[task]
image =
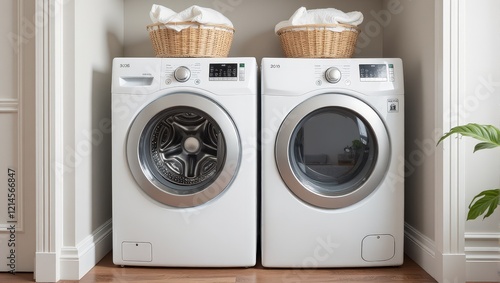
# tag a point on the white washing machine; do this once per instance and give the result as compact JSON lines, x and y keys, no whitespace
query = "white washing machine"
{"x":184,"y":161}
{"x":332,"y":162}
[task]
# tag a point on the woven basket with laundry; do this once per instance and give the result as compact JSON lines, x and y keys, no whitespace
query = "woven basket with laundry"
{"x":194,"y":32}
{"x":319,"y":33}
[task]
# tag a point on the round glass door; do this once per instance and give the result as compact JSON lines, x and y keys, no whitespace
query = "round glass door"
{"x":332,"y":150}
{"x":183,"y":150}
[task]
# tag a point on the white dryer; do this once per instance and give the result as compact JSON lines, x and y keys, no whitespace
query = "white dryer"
{"x":184,"y":161}
{"x":332,"y":162}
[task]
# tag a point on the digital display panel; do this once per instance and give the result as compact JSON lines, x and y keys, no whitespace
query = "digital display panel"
{"x":223,"y":72}
{"x":373,"y":72}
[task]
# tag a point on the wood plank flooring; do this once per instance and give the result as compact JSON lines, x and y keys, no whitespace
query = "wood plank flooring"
{"x":106,"y":271}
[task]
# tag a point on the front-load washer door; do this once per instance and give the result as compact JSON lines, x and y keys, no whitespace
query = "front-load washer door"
{"x":332,"y":150}
{"x":183,"y":149}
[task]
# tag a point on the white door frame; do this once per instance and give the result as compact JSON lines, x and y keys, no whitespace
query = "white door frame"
{"x":449,"y":202}
{"x":48,"y":138}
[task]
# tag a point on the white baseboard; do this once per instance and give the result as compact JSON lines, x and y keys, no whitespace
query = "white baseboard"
{"x":421,"y":249}
{"x":77,"y":261}
{"x":46,"y":269}
{"x":482,"y":252}
{"x":482,"y":257}
{"x":485,"y":271}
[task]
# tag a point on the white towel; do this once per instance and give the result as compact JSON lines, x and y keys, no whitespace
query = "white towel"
{"x":321,"y":16}
{"x":160,"y":14}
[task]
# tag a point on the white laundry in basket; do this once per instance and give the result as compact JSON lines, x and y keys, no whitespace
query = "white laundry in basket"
{"x":161,"y":14}
{"x":321,"y":16}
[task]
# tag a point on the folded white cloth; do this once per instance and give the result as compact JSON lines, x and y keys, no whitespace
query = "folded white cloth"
{"x":161,"y":14}
{"x":321,"y":16}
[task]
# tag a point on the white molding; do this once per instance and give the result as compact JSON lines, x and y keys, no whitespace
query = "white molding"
{"x":483,"y":271}
{"x":9,"y":106}
{"x":482,"y":251}
{"x":48,"y":107}
{"x":77,"y":261}
{"x":20,"y":122}
{"x":449,"y":205}
{"x":455,"y":191}
{"x":482,"y":247}
{"x":420,"y":249}
{"x":423,"y":242}
{"x":46,"y":263}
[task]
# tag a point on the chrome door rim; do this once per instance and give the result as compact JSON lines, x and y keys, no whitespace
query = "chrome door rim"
{"x":166,"y":194}
{"x":294,"y":182}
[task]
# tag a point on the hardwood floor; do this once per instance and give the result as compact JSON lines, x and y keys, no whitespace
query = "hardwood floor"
{"x":106,"y":271}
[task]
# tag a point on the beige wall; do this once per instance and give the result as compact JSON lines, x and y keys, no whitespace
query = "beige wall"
{"x":390,"y":29}
{"x":412,"y":39}
{"x":91,"y":37}
{"x":254,"y":22}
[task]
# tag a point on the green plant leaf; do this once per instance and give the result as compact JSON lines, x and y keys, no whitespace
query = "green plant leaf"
{"x":484,"y":145}
{"x":486,"y":201}
{"x":488,"y":135}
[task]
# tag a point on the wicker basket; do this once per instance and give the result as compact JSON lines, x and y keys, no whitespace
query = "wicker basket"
{"x":318,"y":41}
{"x":198,"y":40}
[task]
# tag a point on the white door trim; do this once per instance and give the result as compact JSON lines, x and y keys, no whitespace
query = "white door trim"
{"x":449,"y":201}
{"x":48,"y":17}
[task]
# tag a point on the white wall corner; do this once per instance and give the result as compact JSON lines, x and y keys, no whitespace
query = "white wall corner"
{"x":78,"y":260}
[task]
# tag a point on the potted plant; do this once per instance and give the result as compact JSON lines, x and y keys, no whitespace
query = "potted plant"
{"x":489,"y":136}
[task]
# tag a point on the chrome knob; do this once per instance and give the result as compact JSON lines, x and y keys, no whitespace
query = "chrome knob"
{"x":333,"y":75}
{"x":182,"y":74}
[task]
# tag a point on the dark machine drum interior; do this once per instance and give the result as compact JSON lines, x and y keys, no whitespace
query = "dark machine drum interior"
{"x":332,"y":151}
{"x":183,"y":148}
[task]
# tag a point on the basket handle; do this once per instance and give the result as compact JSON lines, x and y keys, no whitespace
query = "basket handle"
{"x":158,"y":25}
{"x":284,"y":29}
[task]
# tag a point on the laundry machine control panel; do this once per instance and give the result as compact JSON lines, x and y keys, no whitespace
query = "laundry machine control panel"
{"x":224,"y":76}
{"x":200,"y":72}
{"x":364,"y":75}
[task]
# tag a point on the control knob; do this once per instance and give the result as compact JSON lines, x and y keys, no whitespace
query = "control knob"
{"x":182,"y":74}
{"x":333,"y":75}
